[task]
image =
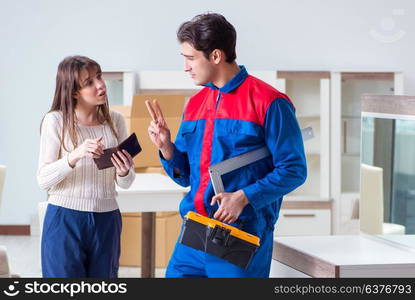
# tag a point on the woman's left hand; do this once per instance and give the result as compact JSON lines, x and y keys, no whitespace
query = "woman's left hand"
{"x":122,"y":162}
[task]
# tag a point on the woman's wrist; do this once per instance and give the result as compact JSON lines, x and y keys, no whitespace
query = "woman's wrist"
{"x":123,"y":175}
{"x":72,"y":159}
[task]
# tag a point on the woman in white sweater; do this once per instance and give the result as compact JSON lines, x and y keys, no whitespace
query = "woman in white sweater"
{"x":82,"y":225}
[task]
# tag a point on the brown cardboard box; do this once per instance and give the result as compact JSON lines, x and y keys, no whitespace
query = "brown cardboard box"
{"x":126,"y":112}
{"x":168,"y":225}
{"x":172,"y":107}
{"x":158,"y":170}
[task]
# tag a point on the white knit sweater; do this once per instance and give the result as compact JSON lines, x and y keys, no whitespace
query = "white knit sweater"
{"x":83,"y":187}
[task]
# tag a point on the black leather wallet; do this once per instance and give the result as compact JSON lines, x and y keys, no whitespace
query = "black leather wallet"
{"x":130,"y":144}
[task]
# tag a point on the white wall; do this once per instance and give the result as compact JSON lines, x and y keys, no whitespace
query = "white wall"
{"x":140,"y":35}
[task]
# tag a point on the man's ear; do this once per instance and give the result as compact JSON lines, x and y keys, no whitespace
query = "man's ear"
{"x":217,"y":56}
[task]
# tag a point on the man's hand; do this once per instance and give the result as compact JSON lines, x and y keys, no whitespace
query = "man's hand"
{"x":231,"y":205}
{"x":158,"y":130}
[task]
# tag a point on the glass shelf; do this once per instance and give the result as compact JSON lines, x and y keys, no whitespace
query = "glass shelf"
{"x":311,"y":100}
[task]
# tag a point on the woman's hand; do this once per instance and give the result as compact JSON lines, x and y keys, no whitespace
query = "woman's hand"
{"x":89,"y":148}
{"x":122,"y":162}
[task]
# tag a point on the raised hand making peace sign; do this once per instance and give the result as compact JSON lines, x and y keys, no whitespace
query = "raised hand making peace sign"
{"x":158,"y":130}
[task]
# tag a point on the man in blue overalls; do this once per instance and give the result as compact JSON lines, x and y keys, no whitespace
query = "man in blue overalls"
{"x":233,"y":114}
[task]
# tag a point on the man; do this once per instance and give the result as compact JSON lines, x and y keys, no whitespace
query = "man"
{"x":234,"y":113}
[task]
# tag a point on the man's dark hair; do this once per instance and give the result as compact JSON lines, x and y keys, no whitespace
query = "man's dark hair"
{"x":207,"y":32}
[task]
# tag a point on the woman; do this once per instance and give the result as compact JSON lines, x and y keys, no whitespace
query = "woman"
{"x":82,"y":225}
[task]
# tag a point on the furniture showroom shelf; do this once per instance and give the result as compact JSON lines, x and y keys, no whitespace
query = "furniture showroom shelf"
{"x":307,"y":210}
{"x":308,"y":116}
{"x":346,"y":90}
{"x":307,"y":198}
{"x":312,"y":153}
{"x":310,"y":93}
{"x":121,"y":86}
{"x":304,"y":215}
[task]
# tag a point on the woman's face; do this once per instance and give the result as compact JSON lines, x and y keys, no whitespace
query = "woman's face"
{"x":93,"y":91}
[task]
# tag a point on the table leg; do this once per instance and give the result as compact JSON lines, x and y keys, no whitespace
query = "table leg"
{"x":148,"y":244}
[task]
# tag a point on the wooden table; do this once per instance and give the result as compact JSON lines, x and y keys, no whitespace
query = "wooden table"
{"x":149,"y":193}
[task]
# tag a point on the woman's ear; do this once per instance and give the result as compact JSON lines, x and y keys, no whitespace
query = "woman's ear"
{"x":75,"y":95}
{"x":217,"y":56}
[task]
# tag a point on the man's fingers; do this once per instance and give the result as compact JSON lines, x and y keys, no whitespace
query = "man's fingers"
{"x":158,"y":111}
{"x":223,"y":216}
{"x":219,"y":214}
{"x":215,"y":199}
{"x":151,"y":110}
{"x":155,"y":126}
{"x":153,"y":130}
{"x":228,"y":219}
{"x":216,"y":215}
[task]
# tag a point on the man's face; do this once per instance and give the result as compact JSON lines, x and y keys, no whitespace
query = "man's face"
{"x":199,"y":67}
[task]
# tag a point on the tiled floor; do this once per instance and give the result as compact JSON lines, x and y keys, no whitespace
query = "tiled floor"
{"x":24,"y":257}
